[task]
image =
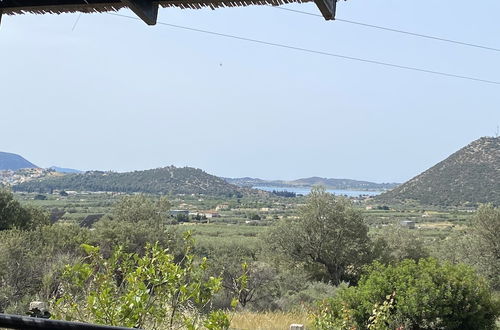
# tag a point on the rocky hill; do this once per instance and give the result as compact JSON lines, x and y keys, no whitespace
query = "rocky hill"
{"x":164,"y":180}
{"x":13,"y":162}
{"x":467,"y":177}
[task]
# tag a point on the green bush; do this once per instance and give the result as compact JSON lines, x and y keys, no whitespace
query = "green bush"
{"x":14,"y":215}
{"x":151,"y":291}
{"x":133,"y":236}
{"x":412,"y":295}
{"x":30,"y":263}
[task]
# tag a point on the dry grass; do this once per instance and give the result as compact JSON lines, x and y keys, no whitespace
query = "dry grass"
{"x":268,"y":320}
{"x":436,"y":225}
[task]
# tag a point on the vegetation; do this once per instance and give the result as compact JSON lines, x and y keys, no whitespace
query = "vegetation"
{"x":412,"y":295}
{"x":284,"y":193}
{"x":329,"y":237}
{"x":13,"y":215}
{"x":486,"y":233}
{"x":150,"y":291}
{"x":395,"y":244}
{"x":167,"y":180}
{"x":303,"y":250}
{"x":478,"y":246}
{"x":31,"y":262}
{"x":466,"y":178}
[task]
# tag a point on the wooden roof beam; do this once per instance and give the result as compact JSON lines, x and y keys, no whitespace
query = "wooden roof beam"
{"x":327,"y":8}
{"x":147,"y":10}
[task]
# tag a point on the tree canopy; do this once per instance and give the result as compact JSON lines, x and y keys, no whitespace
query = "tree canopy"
{"x":329,"y":235}
{"x":14,"y":215}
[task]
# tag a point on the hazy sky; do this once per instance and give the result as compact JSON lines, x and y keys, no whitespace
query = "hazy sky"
{"x":115,"y":94}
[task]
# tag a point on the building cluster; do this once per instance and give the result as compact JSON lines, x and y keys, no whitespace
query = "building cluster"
{"x":205,"y":214}
{"x":10,"y":178}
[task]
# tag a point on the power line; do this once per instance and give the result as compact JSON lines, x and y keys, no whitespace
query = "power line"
{"x":76,"y":22}
{"x":78,"y":18}
{"x":462,"y":43}
{"x":312,"y":51}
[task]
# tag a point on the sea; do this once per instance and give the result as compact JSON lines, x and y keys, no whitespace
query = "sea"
{"x":306,"y":191}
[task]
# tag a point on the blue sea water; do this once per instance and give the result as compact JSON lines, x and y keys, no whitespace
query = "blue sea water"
{"x":305,"y":191}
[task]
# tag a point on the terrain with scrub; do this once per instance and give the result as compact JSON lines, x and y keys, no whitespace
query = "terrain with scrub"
{"x":261,"y":286}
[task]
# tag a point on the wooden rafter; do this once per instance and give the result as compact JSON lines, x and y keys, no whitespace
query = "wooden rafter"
{"x":147,"y":10}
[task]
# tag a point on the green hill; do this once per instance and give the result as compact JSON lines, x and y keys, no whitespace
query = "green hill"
{"x":164,"y":180}
{"x":468,"y":177}
{"x":13,"y":162}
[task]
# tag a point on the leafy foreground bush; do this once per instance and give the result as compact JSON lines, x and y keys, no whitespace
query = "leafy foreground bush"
{"x":152,"y":291}
{"x":411,"y":295}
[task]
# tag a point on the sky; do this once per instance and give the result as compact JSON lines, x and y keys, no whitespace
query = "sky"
{"x":115,"y":94}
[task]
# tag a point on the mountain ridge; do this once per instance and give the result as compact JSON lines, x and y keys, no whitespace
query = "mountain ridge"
{"x":14,"y":162}
{"x":469,"y":176}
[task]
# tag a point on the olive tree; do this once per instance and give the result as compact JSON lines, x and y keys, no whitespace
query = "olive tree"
{"x":486,"y":226}
{"x":329,"y":238}
{"x":134,"y":221}
{"x":478,"y":246}
{"x":14,"y":215}
{"x":486,"y":242}
{"x":141,"y":208}
{"x":393,"y":244}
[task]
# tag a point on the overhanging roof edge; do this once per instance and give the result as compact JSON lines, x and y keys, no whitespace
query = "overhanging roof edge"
{"x":147,"y":9}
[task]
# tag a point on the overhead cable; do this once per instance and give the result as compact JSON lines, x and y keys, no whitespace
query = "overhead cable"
{"x":420,"y":35}
{"x":312,"y":51}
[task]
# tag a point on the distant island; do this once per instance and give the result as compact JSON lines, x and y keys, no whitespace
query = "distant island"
{"x":335,"y":184}
{"x":65,"y":170}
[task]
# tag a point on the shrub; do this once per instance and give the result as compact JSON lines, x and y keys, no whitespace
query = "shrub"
{"x":412,"y":295}
{"x":133,"y":236}
{"x":152,"y":291}
{"x":14,"y":215}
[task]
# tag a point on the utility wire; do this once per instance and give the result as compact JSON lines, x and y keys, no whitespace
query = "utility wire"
{"x":312,"y":51}
{"x":78,"y":18}
{"x":396,"y":30}
{"x":76,"y":22}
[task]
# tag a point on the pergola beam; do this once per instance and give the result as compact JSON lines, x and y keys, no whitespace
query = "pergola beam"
{"x":147,"y":10}
{"x":327,"y":8}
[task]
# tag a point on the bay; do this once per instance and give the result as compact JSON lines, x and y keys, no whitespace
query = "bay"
{"x":306,"y":190}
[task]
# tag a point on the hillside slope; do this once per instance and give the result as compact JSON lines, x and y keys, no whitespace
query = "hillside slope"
{"x":467,"y":177}
{"x":164,"y":180}
{"x":13,"y":162}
